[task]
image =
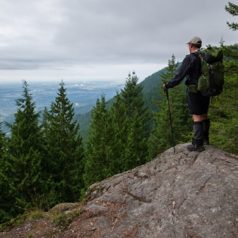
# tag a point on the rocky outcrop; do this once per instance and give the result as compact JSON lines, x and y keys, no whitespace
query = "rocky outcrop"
{"x":178,"y":195}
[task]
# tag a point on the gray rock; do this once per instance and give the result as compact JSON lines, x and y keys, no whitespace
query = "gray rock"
{"x":176,"y":195}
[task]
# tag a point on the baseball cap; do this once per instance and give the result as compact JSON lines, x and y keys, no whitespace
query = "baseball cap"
{"x":195,"y":41}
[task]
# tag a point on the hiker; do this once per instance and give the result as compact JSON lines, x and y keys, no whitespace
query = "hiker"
{"x":197,"y":103}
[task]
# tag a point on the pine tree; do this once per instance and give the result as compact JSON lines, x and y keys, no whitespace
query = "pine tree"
{"x":63,"y":163}
{"x":233,"y":10}
{"x":21,"y":171}
{"x":133,"y":124}
{"x":118,"y":122}
{"x":98,"y":155}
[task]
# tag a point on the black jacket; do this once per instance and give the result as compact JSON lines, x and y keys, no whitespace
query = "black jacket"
{"x":190,"y":68}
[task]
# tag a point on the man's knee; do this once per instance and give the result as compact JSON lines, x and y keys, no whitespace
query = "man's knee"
{"x":198,"y":118}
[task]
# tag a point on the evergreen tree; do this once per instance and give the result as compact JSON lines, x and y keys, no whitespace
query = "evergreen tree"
{"x":132,"y":122}
{"x":97,"y":162}
{"x":21,"y":168}
{"x":64,"y":157}
{"x":118,"y":121}
{"x":233,"y":10}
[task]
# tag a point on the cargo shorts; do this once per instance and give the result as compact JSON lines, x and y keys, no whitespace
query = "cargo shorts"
{"x":197,"y":103}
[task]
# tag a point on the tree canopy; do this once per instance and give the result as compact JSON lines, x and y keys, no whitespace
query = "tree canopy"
{"x":232,"y":8}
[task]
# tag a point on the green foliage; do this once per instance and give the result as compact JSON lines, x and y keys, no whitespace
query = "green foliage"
{"x":64,"y":151}
{"x":118,"y":136}
{"x":41,"y":165}
{"x":151,"y":94}
{"x":97,"y":162}
{"x":233,"y":10}
{"x":20,"y":173}
{"x":131,"y":125}
{"x":118,"y":121}
{"x":29,"y":215}
{"x":25,"y":131}
{"x":63,"y":220}
{"x":137,"y":124}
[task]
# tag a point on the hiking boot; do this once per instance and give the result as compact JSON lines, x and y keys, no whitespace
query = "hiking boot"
{"x":195,"y":148}
{"x":206,"y":125}
{"x":197,"y":142}
{"x":206,"y":142}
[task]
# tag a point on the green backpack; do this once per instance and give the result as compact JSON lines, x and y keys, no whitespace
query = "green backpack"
{"x":211,"y":81}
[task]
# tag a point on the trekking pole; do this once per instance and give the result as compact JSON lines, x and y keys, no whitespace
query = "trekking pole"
{"x":170,"y":118}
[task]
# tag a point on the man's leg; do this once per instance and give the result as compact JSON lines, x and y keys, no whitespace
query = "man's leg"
{"x":198,"y":133}
{"x":206,"y":126}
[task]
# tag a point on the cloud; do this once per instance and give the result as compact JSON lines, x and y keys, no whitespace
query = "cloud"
{"x":53,"y":33}
{"x":137,"y":30}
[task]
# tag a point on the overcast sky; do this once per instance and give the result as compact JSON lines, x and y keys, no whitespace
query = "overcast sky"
{"x":103,"y":39}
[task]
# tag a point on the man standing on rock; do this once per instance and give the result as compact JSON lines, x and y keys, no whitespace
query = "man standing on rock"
{"x":198,"y":104}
